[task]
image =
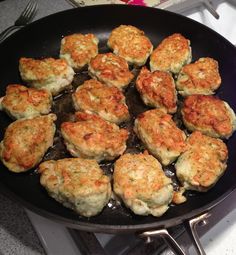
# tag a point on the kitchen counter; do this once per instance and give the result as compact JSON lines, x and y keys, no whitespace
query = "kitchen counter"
{"x":17,"y":236}
{"x":11,"y":9}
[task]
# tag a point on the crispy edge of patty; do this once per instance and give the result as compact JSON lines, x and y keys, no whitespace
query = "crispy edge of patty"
{"x":52,"y":74}
{"x":78,"y":184}
{"x":90,"y":136}
{"x":165,"y":148}
{"x":203,"y":163}
{"x":26,"y":160}
{"x":95,"y":97}
{"x":139,"y":46}
{"x":200,"y":77}
{"x":221,"y":126}
{"x":171,"y":54}
{"x":157,"y":89}
{"x":132,"y":174}
{"x":78,"y":49}
{"x":111,"y":70}
{"x":22,"y":102}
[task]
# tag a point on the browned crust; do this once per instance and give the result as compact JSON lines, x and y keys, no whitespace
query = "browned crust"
{"x":206,"y":158}
{"x":134,"y":172}
{"x":207,"y":114}
{"x":95,"y":137}
{"x":130,"y":43}
{"x":25,"y":142}
{"x":200,"y":77}
{"x":41,"y":69}
{"x":19,"y":99}
{"x":81,"y":177}
{"x":111,"y":69}
{"x":162,"y":130}
{"x":108,"y":102}
{"x":157,"y":89}
{"x":171,"y":54}
{"x":81,"y":48}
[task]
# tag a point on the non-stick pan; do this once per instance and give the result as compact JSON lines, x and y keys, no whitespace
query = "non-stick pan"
{"x":42,"y":39}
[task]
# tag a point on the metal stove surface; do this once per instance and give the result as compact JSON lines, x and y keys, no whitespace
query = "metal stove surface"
{"x":217,"y":237}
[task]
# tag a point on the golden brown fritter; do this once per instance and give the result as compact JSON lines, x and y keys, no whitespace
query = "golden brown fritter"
{"x":92,"y":137}
{"x":111,"y":70}
{"x":77,"y":183}
{"x":178,"y":197}
{"x":22,"y":102}
{"x":200,"y":77}
{"x":157,"y":89}
{"x":108,"y":102}
{"x":26,"y":141}
{"x":208,"y":114}
{"x":160,"y":135}
{"x":52,"y":74}
{"x":141,"y":183}
{"x":131,"y":44}
{"x":78,"y":49}
{"x":203,"y":163}
{"x":171,"y":54}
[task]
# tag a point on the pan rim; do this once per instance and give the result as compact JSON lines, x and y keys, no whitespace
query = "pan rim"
{"x":110,"y":229}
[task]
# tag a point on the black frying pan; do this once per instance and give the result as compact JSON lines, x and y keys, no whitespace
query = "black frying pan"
{"x":42,"y":39}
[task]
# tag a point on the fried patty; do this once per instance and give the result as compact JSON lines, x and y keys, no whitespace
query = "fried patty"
{"x":142,"y":185}
{"x":131,"y":44}
{"x":78,"y":49}
{"x":22,"y":102}
{"x":95,"y":97}
{"x":160,"y":135}
{"x":26,"y":141}
{"x":111,"y":70}
{"x":157,"y":89}
{"x":208,"y":114}
{"x":200,"y":77}
{"x":77,"y":183}
{"x":171,"y":54}
{"x":52,"y":74}
{"x":203,"y":163}
{"x":92,"y":137}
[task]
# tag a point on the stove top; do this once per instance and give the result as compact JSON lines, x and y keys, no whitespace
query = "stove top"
{"x":217,"y":237}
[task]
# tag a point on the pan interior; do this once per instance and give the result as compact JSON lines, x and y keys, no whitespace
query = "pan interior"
{"x":100,"y":20}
